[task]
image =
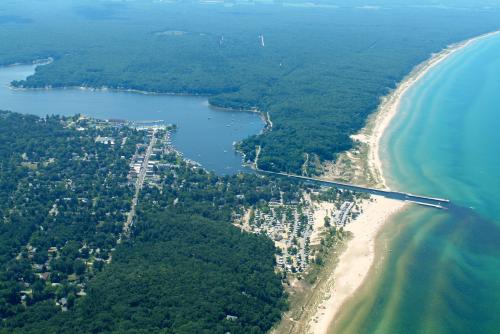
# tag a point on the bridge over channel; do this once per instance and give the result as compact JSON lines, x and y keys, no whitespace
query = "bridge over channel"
{"x":438,"y":203}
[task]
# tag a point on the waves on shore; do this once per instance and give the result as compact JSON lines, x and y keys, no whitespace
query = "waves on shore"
{"x":430,"y":278}
{"x":438,"y":271}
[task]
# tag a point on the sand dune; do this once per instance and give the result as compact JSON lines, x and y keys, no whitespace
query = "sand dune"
{"x":355,"y":263}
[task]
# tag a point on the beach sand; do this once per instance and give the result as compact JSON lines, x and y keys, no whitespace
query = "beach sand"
{"x":355,"y":263}
{"x":390,"y":105}
{"x":322,"y":210}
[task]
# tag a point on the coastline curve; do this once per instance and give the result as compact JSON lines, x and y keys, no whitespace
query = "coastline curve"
{"x":361,"y":248}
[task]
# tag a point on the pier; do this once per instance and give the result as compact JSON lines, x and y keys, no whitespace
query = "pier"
{"x":438,"y":203}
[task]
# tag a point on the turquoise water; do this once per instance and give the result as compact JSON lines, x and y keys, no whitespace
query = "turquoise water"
{"x":204,"y":134}
{"x":442,"y":273}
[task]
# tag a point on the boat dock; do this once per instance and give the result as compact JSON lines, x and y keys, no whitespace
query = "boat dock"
{"x":438,"y":203}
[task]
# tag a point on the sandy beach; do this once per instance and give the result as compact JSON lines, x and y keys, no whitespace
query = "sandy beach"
{"x":390,"y":105}
{"x":356,"y":261}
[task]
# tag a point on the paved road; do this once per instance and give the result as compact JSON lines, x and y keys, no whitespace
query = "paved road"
{"x":139,"y":184}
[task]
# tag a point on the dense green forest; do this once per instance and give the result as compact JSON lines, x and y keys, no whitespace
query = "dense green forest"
{"x":318,"y":70}
{"x":180,"y":274}
{"x":184,"y":269}
{"x":63,"y":203}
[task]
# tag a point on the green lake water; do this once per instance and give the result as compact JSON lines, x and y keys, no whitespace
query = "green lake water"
{"x":439,"y":271}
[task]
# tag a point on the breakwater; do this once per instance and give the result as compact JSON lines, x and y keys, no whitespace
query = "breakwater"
{"x":438,"y":203}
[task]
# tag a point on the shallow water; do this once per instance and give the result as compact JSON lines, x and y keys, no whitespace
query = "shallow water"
{"x":204,"y":134}
{"x":439,"y":271}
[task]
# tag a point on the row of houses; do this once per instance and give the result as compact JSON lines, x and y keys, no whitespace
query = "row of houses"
{"x":340,"y":217}
{"x":290,"y":227}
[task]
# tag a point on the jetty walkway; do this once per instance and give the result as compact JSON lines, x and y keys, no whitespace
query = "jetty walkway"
{"x":438,"y":203}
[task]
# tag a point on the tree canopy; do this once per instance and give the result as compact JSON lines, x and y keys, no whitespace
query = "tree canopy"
{"x":319,"y":71}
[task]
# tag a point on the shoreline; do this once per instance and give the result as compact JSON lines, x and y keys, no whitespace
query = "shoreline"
{"x":390,"y":104}
{"x":48,"y":61}
{"x":355,"y":262}
{"x":358,"y":258}
{"x":264,"y":116}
